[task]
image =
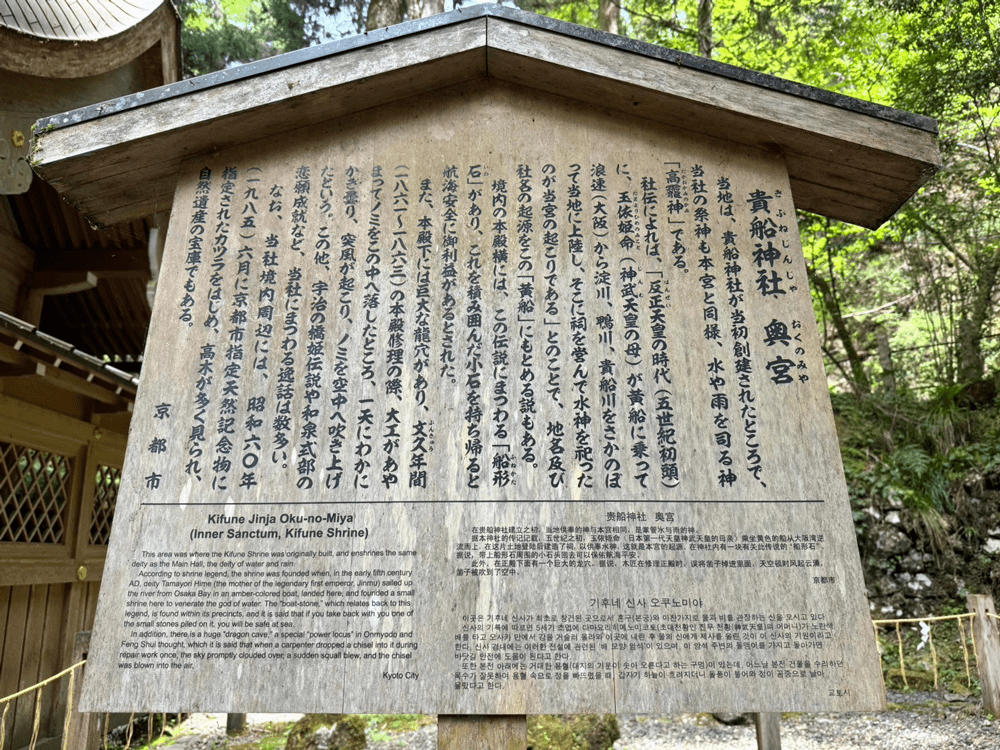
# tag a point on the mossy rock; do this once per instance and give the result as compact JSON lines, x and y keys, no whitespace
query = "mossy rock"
{"x":339,"y":732}
{"x":958,"y":687}
{"x":573,"y":732}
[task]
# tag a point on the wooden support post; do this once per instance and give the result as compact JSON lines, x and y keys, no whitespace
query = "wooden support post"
{"x":83,"y":730}
{"x":768,"y":731}
{"x":456,"y":732}
{"x":235,"y":723}
{"x":987,"y":637}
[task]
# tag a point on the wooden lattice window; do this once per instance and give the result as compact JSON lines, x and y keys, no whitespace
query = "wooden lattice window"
{"x":34,"y":487}
{"x":105,"y":495}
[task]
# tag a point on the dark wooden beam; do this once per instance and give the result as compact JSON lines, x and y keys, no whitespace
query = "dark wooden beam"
{"x":39,"y":284}
{"x":130,"y":263}
{"x":25,"y":365}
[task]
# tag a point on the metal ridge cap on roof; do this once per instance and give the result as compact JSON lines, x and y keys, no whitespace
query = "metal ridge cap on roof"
{"x":32,"y":335}
{"x":461,"y":15}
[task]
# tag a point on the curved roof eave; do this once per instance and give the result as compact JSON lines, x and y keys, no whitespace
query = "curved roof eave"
{"x":74,"y":20}
{"x":49,"y":56}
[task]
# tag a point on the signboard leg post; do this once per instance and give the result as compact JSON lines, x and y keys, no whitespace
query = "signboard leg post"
{"x":768,"y":731}
{"x":985,"y":631}
{"x":82,"y":729}
{"x":235,"y":723}
{"x":495,"y":732}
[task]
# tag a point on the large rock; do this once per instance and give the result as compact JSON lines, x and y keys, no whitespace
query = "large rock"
{"x":573,"y":732}
{"x":327,"y":732}
{"x":892,"y":541}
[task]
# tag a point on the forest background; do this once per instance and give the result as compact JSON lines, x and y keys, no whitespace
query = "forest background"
{"x":907,"y":313}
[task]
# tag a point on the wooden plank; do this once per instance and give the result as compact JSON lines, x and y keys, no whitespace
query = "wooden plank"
{"x":514,"y":48}
{"x":76,"y":607}
{"x":51,"y":658}
{"x":17,"y":571}
{"x":108,"y":263}
{"x":32,"y":660}
{"x":31,"y":663}
{"x":136,"y":178}
{"x":40,"y":427}
{"x":403,"y":66}
{"x":60,"y":282}
{"x":93,"y":593}
{"x":16,"y":260}
{"x":25,"y":370}
{"x":986,"y":632}
{"x":464,"y":732}
{"x":877,"y":186}
{"x":825,"y":201}
{"x":13,"y":653}
{"x":412,"y":63}
{"x":13,"y":644}
{"x":5,"y":593}
{"x":85,"y":489}
{"x":40,"y":284}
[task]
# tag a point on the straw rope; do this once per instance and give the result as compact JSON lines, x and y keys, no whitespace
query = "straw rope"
{"x":43,"y":683}
{"x":963,"y":639}
{"x":69,"y":709}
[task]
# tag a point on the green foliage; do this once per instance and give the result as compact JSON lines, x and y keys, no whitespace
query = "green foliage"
{"x":812,"y":41}
{"x":383,"y":727}
{"x":218,"y":34}
{"x":915,"y":454}
{"x":576,"y":732}
{"x":349,"y":731}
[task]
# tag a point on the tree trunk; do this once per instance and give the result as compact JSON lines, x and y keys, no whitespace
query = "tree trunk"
{"x":705,"y":44}
{"x":382,"y":13}
{"x":971,"y":365}
{"x":860,"y":384}
{"x":608,"y":14}
{"x":432,"y":8}
{"x":885,"y":359}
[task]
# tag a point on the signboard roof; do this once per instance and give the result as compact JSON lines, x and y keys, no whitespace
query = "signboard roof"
{"x":848,"y":159}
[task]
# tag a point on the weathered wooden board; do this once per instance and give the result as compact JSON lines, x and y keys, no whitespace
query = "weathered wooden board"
{"x":483,"y":402}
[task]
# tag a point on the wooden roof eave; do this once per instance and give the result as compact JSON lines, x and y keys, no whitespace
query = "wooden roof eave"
{"x":31,"y":352}
{"x":847,"y":159}
{"x":52,"y":58}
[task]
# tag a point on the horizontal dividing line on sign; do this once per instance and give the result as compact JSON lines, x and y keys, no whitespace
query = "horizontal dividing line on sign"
{"x":497,"y":502}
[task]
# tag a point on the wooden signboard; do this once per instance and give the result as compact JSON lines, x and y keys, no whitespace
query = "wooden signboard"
{"x":485,"y":401}
{"x":483,"y":378}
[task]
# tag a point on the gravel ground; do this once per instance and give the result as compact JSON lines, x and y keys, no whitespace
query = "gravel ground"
{"x":921,"y":721}
{"x":927,"y":721}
